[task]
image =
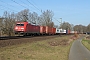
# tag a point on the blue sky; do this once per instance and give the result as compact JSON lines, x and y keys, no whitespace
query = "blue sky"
{"x":72,"y":11}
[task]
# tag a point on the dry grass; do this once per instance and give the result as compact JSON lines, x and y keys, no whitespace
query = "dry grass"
{"x":52,"y":49}
{"x":86,"y":43}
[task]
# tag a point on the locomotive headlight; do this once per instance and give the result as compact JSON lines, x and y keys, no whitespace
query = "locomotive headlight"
{"x":16,"y":28}
{"x":22,"y":28}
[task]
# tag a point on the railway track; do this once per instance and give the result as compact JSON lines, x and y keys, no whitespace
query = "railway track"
{"x":14,"y":40}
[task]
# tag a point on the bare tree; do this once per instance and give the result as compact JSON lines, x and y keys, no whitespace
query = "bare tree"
{"x":47,"y":18}
{"x":72,"y":27}
{"x":1,"y":25}
{"x":8,"y":23}
{"x":80,"y":28}
{"x":65,"y":25}
{"x":33,"y":18}
{"x":84,"y":29}
{"x":88,"y":28}
{"x":22,"y":15}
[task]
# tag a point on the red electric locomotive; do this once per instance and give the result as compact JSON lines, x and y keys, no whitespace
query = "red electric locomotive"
{"x":26,"y":28}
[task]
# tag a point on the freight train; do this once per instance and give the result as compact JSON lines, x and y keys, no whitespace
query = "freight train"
{"x":25,"y":28}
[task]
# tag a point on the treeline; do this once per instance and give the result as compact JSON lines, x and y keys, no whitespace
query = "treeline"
{"x":79,"y":28}
{"x":8,"y":20}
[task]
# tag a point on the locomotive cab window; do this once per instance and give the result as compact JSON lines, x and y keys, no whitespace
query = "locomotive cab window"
{"x":19,"y":24}
{"x":57,"y":30}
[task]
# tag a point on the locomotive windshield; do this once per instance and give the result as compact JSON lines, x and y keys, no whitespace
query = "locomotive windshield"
{"x":19,"y":24}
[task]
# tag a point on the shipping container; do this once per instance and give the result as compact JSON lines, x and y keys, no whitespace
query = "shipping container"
{"x":57,"y":31}
{"x":42,"y":29}
{"x":48,"y":30}
{"x":72,"y":32}
{"x":67,"y":31}
{"x":53,"y":30}
{"x":60,"y":31}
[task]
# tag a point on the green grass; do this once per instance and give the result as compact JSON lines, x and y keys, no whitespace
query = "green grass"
{"x":40,"y":50}
{"x":86,"y":43}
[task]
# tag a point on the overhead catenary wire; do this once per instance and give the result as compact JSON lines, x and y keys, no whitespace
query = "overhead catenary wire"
{"x":2,"y":9}
{"x":8,"y":8}
{"x":19,"y":4}
{"x":33,"y":5}
{"x":8,"y":4}
{"x":57,"y":20}
{"x":36,"y":5}
{"x":25,"y":3}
